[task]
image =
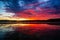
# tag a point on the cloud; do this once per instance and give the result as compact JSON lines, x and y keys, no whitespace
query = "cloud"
{"x":32,"y":7}
{"x":5,"y":14}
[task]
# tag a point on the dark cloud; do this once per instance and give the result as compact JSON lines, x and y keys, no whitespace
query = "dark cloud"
{"x":56,"y":5}
{"x":13,"y":5}
{"x":30,"y":1}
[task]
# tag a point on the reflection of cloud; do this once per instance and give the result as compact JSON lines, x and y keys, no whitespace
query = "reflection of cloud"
{"x":6,"y":28}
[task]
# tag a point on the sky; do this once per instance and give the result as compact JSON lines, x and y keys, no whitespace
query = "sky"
{"x":33,"y":9}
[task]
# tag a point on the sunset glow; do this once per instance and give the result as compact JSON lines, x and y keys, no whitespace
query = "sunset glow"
{"x":29,"y":19}
{"x":23,"y":19}
{"x":30,"y":10}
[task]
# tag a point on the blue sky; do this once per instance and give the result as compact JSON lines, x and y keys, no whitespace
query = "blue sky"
{"x":12,"y":7}
{"x":1,"y":7}
{"x":3,"y":12}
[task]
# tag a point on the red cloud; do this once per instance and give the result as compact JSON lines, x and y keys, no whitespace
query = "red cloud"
{"x":40,"y":14}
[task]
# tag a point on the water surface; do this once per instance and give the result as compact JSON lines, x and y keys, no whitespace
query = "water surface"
{"x":31,"y":31}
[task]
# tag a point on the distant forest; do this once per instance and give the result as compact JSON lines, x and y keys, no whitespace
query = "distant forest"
{"x":30,"y":21}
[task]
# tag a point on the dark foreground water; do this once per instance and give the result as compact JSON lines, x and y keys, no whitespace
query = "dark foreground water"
{"x":29,"y":32}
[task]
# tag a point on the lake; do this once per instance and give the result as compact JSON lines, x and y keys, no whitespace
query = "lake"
{"x":29,"y":32}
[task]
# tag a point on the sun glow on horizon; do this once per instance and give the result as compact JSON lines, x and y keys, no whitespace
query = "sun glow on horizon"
{"x":23,"y":19}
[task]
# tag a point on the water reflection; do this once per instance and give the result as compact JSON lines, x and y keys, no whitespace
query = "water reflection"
{"x":31,"y":31}
{"x":24,"y":26}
